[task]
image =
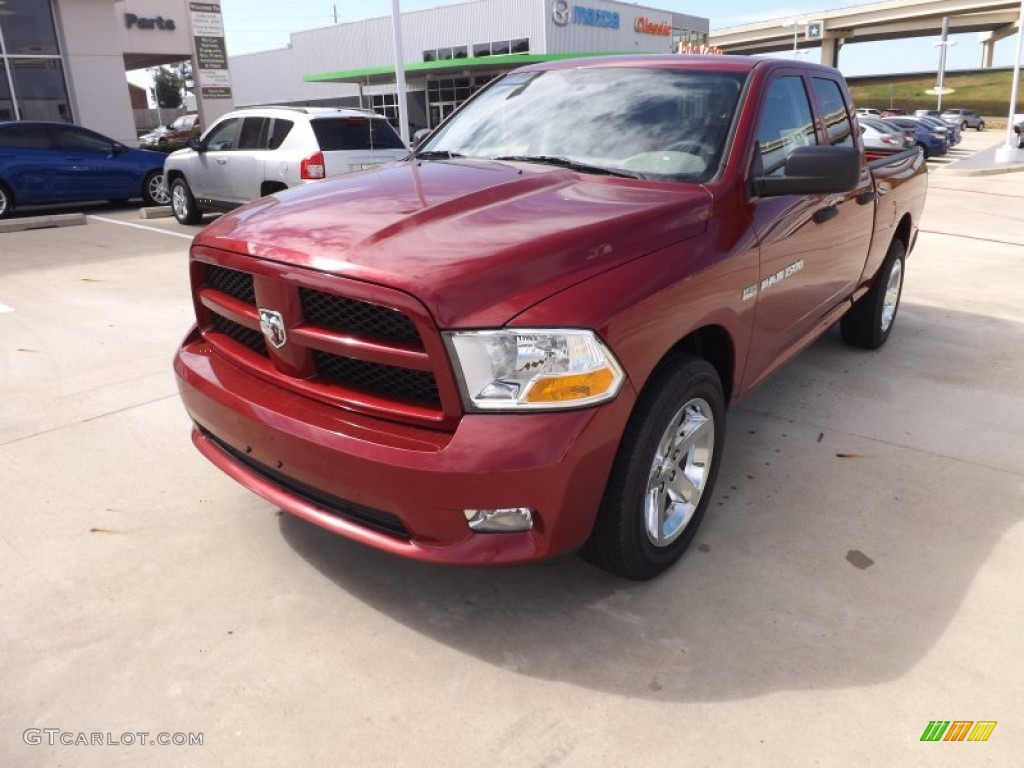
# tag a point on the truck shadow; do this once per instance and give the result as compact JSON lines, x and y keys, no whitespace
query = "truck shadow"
{"x":851,"y":516}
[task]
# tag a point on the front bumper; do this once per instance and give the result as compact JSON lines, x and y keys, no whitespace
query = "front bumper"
{"x":402,"y":488}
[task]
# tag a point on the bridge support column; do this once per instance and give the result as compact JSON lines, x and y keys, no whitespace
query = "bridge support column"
{"x":830,"y":51}
{"x":987,"y":50}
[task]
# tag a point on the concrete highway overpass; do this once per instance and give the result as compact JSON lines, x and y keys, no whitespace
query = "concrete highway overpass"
{"x":994,"y":19}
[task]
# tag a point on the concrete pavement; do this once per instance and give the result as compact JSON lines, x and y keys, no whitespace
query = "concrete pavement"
{"x":857,"y":577}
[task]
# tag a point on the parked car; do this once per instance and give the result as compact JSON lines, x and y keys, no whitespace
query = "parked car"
{"x":880,"y":137}
{"x":953,"y":134}
{"x":908,"y":134}
{"x":43,"y":163}
{"x":934,"y":141}
{"x":926,"y":113}
{"x":893,"y":112}
{"x":173,"y":136}
{"x":965,"y":118}
{"x":250,"y":153}
{"x":522,"y":341}
{"x":867,"y":112}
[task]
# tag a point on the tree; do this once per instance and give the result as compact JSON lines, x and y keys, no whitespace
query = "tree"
{"x":170,"y":84}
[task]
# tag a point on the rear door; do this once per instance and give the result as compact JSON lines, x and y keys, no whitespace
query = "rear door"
{"x":28,"y":164}
{"x":356,"y":143}
{"x":245,"y":177}
{"x":813,"y":247}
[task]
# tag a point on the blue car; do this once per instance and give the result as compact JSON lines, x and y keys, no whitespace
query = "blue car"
{"x":43,"y":163}
{"x":931,"y":139}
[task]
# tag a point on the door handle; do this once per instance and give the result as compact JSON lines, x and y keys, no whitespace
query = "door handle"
{"x":222,"y":160}
{"x":824,"y":214}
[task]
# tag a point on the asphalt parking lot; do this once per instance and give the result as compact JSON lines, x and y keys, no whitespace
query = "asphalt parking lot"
{"x":857,"y":577}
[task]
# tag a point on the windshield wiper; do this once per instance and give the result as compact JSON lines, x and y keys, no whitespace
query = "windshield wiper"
{"x":436,"y":154}
{"x":565,"y":162}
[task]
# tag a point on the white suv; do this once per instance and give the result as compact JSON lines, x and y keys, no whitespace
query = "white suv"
{"x":250,"y":153}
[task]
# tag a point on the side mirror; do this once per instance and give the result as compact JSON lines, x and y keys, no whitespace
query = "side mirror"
{"x":419,"y":136}
{"x":814,"y":171}
{"x":193,"y":144}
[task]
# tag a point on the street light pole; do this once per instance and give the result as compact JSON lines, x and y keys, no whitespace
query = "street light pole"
{"x":403,"y":108}
{"x":1008,"y":152}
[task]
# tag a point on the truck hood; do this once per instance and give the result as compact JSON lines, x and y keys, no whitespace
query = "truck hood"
{"x":476,"y":241}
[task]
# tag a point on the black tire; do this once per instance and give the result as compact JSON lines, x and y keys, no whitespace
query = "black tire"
{"x":677,"y":405}
{"x":924,"y":148}
{"x":981,"y":126}
{"x":183,"y":204}
{"x":963,"y":126}
{"x":6,"y":201}
{"x":153,"y":190}
{"x":870,"y":321}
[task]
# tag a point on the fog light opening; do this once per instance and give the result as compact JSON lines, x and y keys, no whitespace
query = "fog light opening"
{"x":507,"y":520}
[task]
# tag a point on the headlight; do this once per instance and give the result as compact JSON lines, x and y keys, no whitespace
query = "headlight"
{"x":533,"y":369}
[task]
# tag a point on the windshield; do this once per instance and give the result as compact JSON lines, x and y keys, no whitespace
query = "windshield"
{"x":661,"y":124}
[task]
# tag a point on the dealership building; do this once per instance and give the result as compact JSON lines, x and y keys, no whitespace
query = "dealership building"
{"x":66,"y":59}
{"x":450,"y":52}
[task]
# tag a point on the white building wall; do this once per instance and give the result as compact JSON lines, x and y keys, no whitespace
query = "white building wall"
{"x":276,"y":76}
{"x":94,"y":67}
{"x":574,"y":37}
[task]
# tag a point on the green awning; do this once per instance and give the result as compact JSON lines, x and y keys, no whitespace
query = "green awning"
{"x":381,"y":75}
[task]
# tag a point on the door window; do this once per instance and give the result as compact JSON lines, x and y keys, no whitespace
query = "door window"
{"x":786,"y":124}
{"x":24,"y":136}
{"x":254,"y":133}
{"x":833,"y":110}
{"x":224,"y":136}
{"x":69,"y":138}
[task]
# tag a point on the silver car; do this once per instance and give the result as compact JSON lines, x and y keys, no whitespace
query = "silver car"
{"x":250,"y":153}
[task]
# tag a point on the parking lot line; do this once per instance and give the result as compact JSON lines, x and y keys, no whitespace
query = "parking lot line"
{"x":140,"y":226}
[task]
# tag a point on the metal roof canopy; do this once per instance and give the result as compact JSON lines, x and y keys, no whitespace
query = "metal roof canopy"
{"x":873,"y":22}
{"x":447,"y":68}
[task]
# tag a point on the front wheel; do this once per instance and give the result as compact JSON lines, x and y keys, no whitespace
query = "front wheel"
{"x":663,"y":474}
{"x":870,"y":321}
{"x":981,"y":126}
{"x":183,"y":204}
{"x":153,"y":190}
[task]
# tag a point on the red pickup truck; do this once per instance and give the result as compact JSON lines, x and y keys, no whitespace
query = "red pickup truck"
{"x":521,"y":341}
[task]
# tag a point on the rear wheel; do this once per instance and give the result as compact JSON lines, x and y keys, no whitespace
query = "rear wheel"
{"x":924,"y":148}
{"x":870,"y":321}
{"x":153,"y":190}
{"x":183,"y":204}
{"x":981,"y":126}
{"x":6,"y":201}
{"x":663,"y":475}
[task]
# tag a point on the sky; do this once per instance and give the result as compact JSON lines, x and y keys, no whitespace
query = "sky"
{"x":259,"y":25}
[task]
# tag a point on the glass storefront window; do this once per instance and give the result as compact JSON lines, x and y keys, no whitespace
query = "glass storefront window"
{"x":27,"y":27}
{"x":6,"y":102}
{"x":39,"y":87}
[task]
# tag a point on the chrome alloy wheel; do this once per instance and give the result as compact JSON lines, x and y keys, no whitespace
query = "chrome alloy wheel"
{"x":679,"y":472}
{"x":157,"y":191}
{"x":179,"y":201}
{"x":892,"y":294}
